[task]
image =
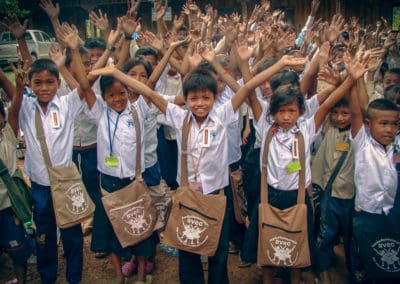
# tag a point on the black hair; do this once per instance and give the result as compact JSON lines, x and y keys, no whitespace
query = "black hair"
{"x":43,"y":64}
{"x":68,"y":59}
{"x":284,"y":77}
{"x":146,"y":50}
{"x":138,"y":60}
{"x":265,"y":64}
{"x":284,"y":95}
{"x":392,"y":93}
{"x":341,"y":103}
{"x":205,"y":65}
{"x":381,"y":104}
{"x":199,"y":79}
{"x":95,"y":43}
{"x":2,"y":109}
{"x":105,"y":82}
{"x":394,"y":71}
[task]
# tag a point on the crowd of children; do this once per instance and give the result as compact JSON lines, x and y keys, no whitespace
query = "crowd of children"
{"x":245,"y":85}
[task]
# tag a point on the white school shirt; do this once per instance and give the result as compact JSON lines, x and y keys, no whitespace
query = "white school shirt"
{"x":213,"y":169}
{"x":59,"y":140}
{"x":123,"y":142}
{"x":375,"y":174}
{"x":279,"y":157}
{"x":234,"y":135}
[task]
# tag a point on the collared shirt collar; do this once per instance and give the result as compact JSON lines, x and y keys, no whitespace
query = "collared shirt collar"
{"x":55,"y":101}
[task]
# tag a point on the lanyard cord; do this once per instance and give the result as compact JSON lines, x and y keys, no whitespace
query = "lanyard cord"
{"x":109,"y":131}
{"x":195,"y":165}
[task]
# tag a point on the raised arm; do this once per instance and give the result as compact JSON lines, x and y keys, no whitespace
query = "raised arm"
{"x":139,"y":87}
{"x":69,"y":35}
{"x":257,"y":80}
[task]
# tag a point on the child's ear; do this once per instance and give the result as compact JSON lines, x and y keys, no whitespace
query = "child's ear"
{"x":367,"y":123}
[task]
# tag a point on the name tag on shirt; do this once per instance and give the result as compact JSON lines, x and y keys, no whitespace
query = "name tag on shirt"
{"x":112,"y":162}
{"x":55,"y":121}
{"x":206,"y":138}
{"x":294,"y":167}
{"x":342,"y":146}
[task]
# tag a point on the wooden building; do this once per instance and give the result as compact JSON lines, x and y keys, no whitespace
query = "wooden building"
{"x":76,"y":11}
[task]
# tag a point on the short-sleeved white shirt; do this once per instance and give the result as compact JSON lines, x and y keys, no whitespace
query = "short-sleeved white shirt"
{"x":375,"y":174}
{"x":59,"y":140}
{"x":279,"y":156}
{"x":213,"y":167}
{"x":123,"y":142}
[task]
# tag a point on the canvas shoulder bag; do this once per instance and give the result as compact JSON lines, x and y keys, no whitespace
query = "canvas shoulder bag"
{"x":283,"y":237}
{"x":71,"y":201}
{"x":131,"y":210}
{"x":239,"y":199}
{"x":195,"y":221}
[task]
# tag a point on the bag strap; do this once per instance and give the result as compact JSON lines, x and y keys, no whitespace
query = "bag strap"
{"x":302,"y":173}
{"x":42,"y":138}
{"x":335,"y":172}
{"x":187,"y":123}
{"x":135,"y":116}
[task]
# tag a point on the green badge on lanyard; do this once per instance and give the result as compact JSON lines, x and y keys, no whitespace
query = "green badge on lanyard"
{"x":112,"y":161}
{"x":294,"y":167}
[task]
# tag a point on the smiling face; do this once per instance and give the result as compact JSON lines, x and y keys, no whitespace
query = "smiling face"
{"x":116,"y":96}
{"x":383,"y":125}
{"x":44,"y":84}
{"x":287,"y":115}
{"x":341,"y":117}
{"x":139,"y":73}
{"x":200,"y":103}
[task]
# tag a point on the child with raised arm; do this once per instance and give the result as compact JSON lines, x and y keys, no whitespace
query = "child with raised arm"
{"x":208,"y":164}
{"x":285,"y":109}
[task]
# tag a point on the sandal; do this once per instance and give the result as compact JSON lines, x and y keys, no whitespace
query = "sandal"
{"x":129,"y":268}
{"x":100,"y":254}
{"x":149,"y":267}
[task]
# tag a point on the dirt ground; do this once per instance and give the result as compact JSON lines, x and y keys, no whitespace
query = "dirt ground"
{"x":100,"y":271}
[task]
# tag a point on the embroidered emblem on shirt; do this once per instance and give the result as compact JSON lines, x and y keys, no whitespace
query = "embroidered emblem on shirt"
{"x":130,"y":123}
{"x":387,"y":255}
{"x":213,"y":134}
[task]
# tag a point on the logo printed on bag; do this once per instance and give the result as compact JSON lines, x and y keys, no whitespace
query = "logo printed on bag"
{"x":79,"y":205}
{"x":283,"y":249}
{"x":138,"y":223}
{"x":161,"y":208}
{"x":193,"y":227}
{"x":387,"y":257}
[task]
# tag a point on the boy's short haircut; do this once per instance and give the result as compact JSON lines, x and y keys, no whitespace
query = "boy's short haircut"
{"x":105,"y":82}
{"x":95,"y":43}
{"x":284,"y":77}
{"x":393,"y":71}
{"x":138,"y":60}
{"x":43,"y":64}
{"x":381,"y":104}
{"x":68,"y":59}
{"x":146,"y":50}
{"x":392,"y":93}
{"x":265,"y":64}
{"x":284,"y":95}
{"x":341,"y":103}
{"x":205,"y":65}
{"x":199,"y":79}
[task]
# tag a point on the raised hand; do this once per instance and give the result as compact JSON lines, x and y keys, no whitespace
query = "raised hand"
{"x":100,"y":20}
{"x":178,"y":43}
{"x":20,"y":72}
{"x":14,"y":26}
{"x":314,"y":7}
{"x":128,"y":25}
{"x":329,"y":75}
{"x":206,"y":52}
{"x":52,"y":11}
{"x":335,"y":28}
{"x":160,"y":9}
{"x":178,"y":22}
{"x":154,"y":41}
{"x":69,"y":36}
{"x":243,"y":50}
{"x":357,"y":68}
{"x":57,"y":54}
{"x":291,"y":60}
{"x":114,"y":34}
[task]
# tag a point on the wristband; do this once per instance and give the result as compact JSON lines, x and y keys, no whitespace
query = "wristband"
{"x":128,"y":37}
{"x":110,"y":47}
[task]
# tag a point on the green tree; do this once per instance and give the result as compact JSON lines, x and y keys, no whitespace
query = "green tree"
{"x":11,"y":7}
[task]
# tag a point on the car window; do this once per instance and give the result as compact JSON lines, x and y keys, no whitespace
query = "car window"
{"x":5,"y":37}
{"x":38,"y":36}
{"x":46,"y":37}
{"x":28,"y":36}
